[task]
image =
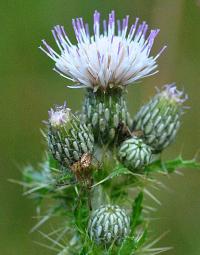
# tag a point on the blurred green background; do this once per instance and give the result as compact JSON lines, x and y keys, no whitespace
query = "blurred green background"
{"x":29,"y":88}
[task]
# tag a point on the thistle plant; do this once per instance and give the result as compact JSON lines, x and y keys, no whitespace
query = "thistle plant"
{"x":99,"y":162}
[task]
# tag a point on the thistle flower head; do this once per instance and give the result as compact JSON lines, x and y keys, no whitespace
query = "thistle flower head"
{"x":134,"y":153}
{"x":60,"y":116}
{"x":109,"y":224}
{"x":110,"y":57}
{"x":68,"y":139}
{"x":105,"y":112}
{"x":159,"y":119}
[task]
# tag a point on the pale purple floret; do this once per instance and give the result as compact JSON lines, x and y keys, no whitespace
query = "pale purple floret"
{"x":114,"y":57}
{"x":174,"y":94}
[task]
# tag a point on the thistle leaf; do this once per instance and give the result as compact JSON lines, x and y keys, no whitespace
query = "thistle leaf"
{"x":128,"y":246}
{"x":171,"y":166}
{"x":136,"y":211}
{"x":118,"y":171}
{"x":131,"y":243}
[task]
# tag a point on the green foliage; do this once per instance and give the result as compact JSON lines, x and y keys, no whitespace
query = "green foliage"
{"x":136,"y":212}
{"x":74,"y":201}
{"x":171,"y":166}
{"x":117,"y":171}
{"x":131,"y":243}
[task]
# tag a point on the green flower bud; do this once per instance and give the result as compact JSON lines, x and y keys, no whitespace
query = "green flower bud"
{"x":68,"y":139}
{"x":109,"y":224}
{"x":104,"y":111}
{"x":159,"y":120}
{"x":134,"y":153}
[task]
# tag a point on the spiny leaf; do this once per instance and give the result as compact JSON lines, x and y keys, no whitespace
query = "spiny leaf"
{"x":148,"y":193}
{"x":131,"y":244}
{"x":136,"y":211}
{"x":141,"y":239}
{"x":128,"y":246}
{"x":89,"y":248}
{"x":119,"y":170}
{"x":171,"y":166}
{"x":149,"y":249}
{"x":51,"y":240}
{"x":81,"y":211}
{"x":52,"y":211}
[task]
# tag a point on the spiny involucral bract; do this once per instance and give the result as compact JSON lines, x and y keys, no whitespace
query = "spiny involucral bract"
{"x":159,"y":120}
{"x":134,"y":153}
{"x":68,"y":138}
{"x":109,"y":224}
{"x":104,"y":111}
{"x":115,"y":57}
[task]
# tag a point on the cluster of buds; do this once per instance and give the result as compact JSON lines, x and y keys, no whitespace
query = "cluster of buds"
{"x":105,"y":63}
{"x":157,"y":124}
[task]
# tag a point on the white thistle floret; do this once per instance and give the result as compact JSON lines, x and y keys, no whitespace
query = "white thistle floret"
{"x":60,"y":116}
{"x":104,"y":59}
